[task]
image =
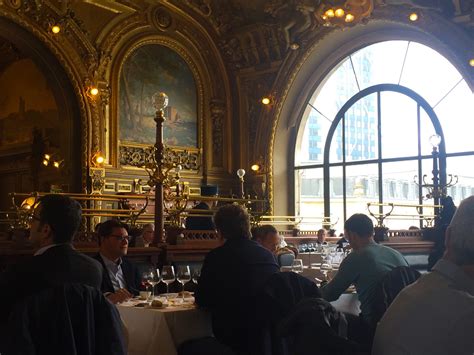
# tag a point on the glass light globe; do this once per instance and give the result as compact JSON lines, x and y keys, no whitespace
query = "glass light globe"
{"x":160,"y":101}
{"x":435,"y":140}
{"x":240,"y":173}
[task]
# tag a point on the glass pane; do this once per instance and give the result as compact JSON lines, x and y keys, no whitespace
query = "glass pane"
{"x":311,"y":202}
{"x":428,"y":73}
{"x":337,"y":211}
{"x":426,"y":131}
{"x":399,"y":125}
{"x":462,"y":168}
{"x":311,"y":144}
{"x":362,"y":187}
{"x":361,"y":130}
{"x":335,"y":152}
{"x":399,"y":187}
{"x":455,"y":111}
{"x":379,"y":63}
{"x":339,"y":87}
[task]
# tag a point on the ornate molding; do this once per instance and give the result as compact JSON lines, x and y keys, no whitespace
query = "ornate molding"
{"x":218,"y":112}
{"x":139,"y":156}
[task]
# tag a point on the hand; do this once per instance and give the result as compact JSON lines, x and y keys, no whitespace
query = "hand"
{"x":119,"y":296}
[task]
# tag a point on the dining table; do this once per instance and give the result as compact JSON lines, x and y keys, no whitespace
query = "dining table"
{"x":160,"y":330}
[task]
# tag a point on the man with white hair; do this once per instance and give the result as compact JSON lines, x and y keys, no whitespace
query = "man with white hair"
{"x":435,"y":315}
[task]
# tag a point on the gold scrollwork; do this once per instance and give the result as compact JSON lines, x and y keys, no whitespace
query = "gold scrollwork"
{"x":144,"y":155}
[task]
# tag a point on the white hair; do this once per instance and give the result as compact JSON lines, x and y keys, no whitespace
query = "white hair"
{"x":461,"y":229}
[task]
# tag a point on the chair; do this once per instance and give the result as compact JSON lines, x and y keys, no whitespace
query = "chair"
{"x":67,"y":319}
{"x":286,"y":259}
{"x":390,"y":286}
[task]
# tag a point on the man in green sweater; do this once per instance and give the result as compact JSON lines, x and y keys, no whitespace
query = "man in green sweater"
{"x":364,"y":268}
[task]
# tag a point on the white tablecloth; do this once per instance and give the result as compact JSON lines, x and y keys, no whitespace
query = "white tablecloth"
{"x":161,"y":331}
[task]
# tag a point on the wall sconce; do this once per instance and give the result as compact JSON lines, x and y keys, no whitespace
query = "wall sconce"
{"x":49,"y":161}
{"x":97,"y":160}
{"x":343,"y":12}
{"x":413,"y":17}
{"x":55,"y":29}
{"x":266,"y":100}
{"x":255,"y":167}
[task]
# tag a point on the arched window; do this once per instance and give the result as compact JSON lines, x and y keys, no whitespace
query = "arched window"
{"x":364,"y":136}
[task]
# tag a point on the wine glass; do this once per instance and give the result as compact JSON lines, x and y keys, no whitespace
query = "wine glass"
{"x":167,"y":275}
{"x":297,"y":266}
{"x":184,"y":275}
{"x":152,"y":277}
{"x":196,"y":275}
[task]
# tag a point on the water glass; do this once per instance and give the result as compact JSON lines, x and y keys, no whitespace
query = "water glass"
{"x":184,"y":275}
{"x":168,"y":275}
{"x":297,"y":266}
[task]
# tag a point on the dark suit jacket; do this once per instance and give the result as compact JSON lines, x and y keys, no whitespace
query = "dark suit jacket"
{"x":67,"y":319}
{"x":56,"y":266}
{"x":130,"y":273}
{"x":231,"y":282}
{"x":200,"y":223}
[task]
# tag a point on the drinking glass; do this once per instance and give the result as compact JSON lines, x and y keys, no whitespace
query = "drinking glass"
{"x":184,"y":275}
{"x":326,"y":266}
{"x":167,"y":275}
{"x":196,"y":275}
{"x":152,"y":277}
{"x":297,"y":266}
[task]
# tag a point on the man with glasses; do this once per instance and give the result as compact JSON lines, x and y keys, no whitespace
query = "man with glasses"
{"x":53,"y":224}
{"x":121,"y":279}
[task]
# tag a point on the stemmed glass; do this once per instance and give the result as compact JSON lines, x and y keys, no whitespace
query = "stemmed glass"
{"x":196,"y":275}
{"x":152,"y":277}
{"x":167,"y":275}
{"x":184,"y":275}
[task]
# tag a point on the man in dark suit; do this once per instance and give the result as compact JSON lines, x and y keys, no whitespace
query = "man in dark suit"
{"x":53,"y":224}
{"x":121,"y":279}
{"x":232,"y":279}
{"x":202,"y":222}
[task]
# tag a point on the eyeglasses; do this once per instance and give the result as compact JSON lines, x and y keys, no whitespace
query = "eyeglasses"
{"x":120,"y":238}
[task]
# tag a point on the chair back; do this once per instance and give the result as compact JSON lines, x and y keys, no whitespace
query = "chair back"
{"x":286,"y":259}
{"x":67,"y":319}
{"x":391,"y":285}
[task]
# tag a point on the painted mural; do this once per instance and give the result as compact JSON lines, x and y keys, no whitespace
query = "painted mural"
{"x":27,"y":104}
{"x":150,"y":69}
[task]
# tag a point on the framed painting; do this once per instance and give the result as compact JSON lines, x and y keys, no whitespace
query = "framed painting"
{"x":156,"y":68}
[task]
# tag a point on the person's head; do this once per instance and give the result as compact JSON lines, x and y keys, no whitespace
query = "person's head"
{"x":267,"y":236}
{"x":460,"y":234}
{"x":332,"y":233}
{"x":55,"y":220}
{"x":358,"y":230}
{"x":210,"y":191}
{"x":322,"y":233}
{"x":113,"y":239}
{"x":148,"y":233}
{"x":232,"y":222}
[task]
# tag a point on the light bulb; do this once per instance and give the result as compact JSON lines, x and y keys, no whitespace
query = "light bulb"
{"x":47,"y":156}
{"x":266,"y":100}
{"x":99,"y":159}
{"x":329,"y":13}
{"x":55,"y":29}
{"x":45,"y":162}
{"x":241,"y":173}
{"x":435,"y":140}
{"x":349,"y":18}
{"x":339,"y":12}
{"x":56,"y":164}
{"x":94,"y":91}
{"x":471,"y":62}
{"x":413,"y":16}
{"x":255,"y":167}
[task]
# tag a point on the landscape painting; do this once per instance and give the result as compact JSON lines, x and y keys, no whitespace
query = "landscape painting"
{"x":155,"y":68}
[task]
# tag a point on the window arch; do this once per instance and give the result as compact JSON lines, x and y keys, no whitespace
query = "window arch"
{"x":365,"y":133}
